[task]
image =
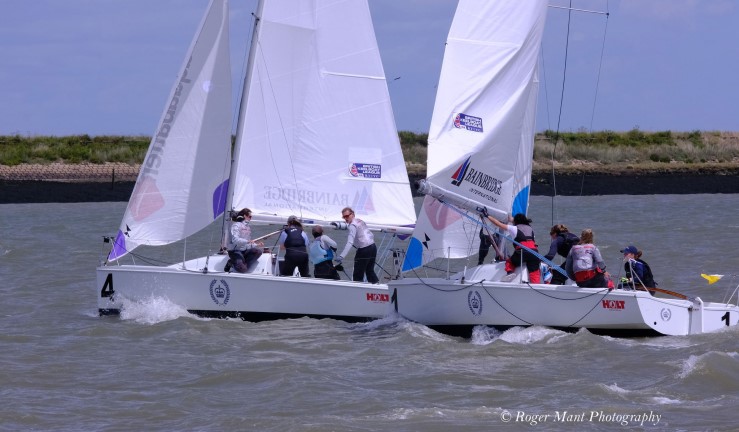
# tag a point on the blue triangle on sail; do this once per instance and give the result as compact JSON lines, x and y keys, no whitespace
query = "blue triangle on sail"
{"x":219,"y":199}
{"x":119,"y":247}
{"x":521,"y":201}
{"x":414,"y":255}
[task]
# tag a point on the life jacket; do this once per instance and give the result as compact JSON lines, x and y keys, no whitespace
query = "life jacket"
{"x":568,"y":240}
{"x":648,"y":278}
{"x":582,"y":258}
{"x":318,"y":254}
{"x":294,"y":239}
{"x":525,"y":236}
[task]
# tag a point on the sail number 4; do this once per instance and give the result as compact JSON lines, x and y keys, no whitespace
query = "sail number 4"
{"x":107,"y":290}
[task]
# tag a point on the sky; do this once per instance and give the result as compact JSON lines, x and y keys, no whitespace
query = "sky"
{"x":106,"y":67}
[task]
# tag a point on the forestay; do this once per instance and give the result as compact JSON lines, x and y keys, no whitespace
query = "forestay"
{"x":181,"y":186}
{"x":316,"y":131}
{"x":482,"y":130}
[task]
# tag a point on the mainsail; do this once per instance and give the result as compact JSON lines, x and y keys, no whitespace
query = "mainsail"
{"x":317,"y":132}
{"x":181,"y":187}
{"x":482,"y":130}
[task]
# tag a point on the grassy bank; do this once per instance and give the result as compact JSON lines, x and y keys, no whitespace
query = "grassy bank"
{"x":604,"y":151}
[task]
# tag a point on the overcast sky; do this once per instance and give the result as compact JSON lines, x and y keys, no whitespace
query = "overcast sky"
{"x":105,"y":67}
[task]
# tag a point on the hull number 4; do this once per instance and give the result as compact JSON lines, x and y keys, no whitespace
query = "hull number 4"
{"x":107,"y":290}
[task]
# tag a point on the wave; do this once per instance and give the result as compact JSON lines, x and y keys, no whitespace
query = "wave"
{"x":153,"y":310}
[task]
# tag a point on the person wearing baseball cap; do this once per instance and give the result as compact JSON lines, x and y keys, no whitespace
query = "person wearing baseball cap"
{"x":637,"y":271}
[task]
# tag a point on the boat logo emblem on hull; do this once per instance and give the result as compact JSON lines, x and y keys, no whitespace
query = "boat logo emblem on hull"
{"x":220,"y":292}
{"x":666,"y":314}
{"x":474,"y":301}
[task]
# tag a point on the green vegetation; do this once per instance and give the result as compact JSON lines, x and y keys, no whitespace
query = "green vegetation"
{"x":18,"y":149}
{"x":636,"y":147}
{"x":599,"y":150}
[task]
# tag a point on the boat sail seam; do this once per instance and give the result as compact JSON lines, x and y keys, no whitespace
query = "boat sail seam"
{"x":479,"y":42}
{"x":325,"y":72}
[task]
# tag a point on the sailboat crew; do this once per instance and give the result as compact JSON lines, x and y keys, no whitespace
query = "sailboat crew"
{"x":523,"y":234}
{"x":637,"y":270}
{"x":585,"y":264}
{"x":295,"y":243}
{"x":321,"y":252}
{"x":362,"y":238}
{"x":562,"y":242}
{"x":243,"y":253}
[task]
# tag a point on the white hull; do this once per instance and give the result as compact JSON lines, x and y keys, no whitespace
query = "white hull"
{"x":482,"y":298}
{"x":255,"y":296}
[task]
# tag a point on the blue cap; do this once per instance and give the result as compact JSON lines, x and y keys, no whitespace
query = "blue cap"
{"x":630,"y":249}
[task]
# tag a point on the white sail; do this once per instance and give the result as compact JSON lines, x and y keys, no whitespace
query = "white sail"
{"x":317,"y":131}
{"x":482,"y":130}
{"x":182,"y":185}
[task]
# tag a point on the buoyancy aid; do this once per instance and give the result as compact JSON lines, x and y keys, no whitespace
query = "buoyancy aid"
{"x":646,"y":276}
{"x":294,"y":239}
{"x":524,"y":236}
{"x":318,"y":254}
{"x":565,"y":244}
{"x":524,"y":233}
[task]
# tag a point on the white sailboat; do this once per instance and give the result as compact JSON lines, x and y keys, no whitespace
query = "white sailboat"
{"x":480,"y":156}
{"x":315,"y":134}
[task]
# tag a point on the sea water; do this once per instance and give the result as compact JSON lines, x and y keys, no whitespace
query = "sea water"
{"x":158,"y":368}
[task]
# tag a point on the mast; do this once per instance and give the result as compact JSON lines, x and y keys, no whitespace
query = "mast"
{"x":242,"y":104}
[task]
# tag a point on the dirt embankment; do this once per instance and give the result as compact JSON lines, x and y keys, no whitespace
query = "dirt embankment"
{"x":114,"y":182}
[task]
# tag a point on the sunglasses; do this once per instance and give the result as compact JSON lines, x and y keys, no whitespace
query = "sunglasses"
{"x":346,"y":215}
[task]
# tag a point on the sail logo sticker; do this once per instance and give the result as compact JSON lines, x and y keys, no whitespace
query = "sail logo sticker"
{"x":474,"y":301}
{"x":366,"y":170}
{"x":145,"y":199}
{"x":614,"y":304}
{"x":485,"y":186}
{"x":362,"y":202}
{"x":666,"y":314}
{"x":220,"y":293}
{"x":459,"y":174}
{"x":378,"y":298}
{"x":468,"y":122}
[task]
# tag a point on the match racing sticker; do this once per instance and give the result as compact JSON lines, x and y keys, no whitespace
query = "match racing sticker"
{"x":474,"y":301}
{"x":365,"y":170}
{"x":220,"y":292}
{"x":666,"y":314}
{"x":468,"y":122}
{"x":614,"y":304}
{"x":378,"y":298}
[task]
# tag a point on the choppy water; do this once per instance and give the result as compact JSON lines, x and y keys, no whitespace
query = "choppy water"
{"x":159,"y":369}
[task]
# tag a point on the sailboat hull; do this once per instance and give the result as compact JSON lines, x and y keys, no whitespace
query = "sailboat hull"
{"x":253,"y":296}
{"x":456,"y":305}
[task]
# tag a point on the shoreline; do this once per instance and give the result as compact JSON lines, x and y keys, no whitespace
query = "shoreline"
{"x":583,"y":183}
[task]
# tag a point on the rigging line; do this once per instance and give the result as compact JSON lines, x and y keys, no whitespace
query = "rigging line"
{"x":600,"y":67}
{"x":580,"y":10}
{"x":550,"y":263}
{"x":546,"y":91}
{"x":503,"y":307}
{"x":591,"y":309}
{"x":561,"y":103}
